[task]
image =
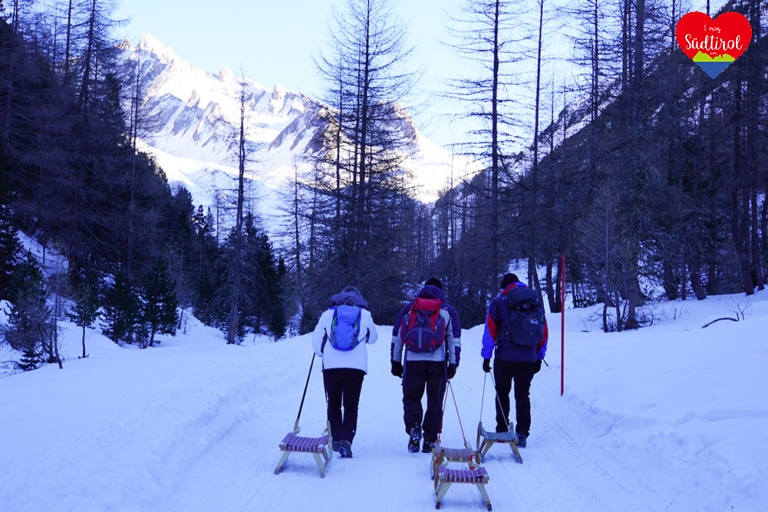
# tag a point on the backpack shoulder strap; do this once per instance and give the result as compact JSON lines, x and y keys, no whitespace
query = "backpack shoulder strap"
{"x":325,"y":331}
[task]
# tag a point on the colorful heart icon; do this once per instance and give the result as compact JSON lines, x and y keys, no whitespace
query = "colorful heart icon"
{"x":713,"y":44}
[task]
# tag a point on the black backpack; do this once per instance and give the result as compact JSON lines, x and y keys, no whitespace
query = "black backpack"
{"x":522,"y":318}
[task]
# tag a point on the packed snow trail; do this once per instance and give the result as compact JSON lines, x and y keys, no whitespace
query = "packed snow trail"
{"x":646,"y":425}
{"x":236,"y":471}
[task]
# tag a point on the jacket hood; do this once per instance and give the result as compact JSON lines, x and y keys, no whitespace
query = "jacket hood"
{"x":432,"y":292}
{"x":352,"y":297}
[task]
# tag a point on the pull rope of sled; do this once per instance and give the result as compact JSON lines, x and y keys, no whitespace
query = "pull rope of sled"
{"x":486,"y":439}
{"x":496,"y":393}
{"x":482,"y":398}
{"x":456,"y":407}
{"x":304,"y":394}
{"x":319,"y":447}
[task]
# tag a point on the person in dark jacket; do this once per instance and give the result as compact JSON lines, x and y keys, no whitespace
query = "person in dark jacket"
{"x":512,"y":363}
{"x":429,"y":370}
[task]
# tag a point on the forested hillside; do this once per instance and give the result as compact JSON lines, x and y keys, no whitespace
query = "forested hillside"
{"x":644,"y":174}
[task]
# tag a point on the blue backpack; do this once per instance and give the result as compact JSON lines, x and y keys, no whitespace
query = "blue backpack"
{"x":345,"y":327}
{"x":522,"y":318}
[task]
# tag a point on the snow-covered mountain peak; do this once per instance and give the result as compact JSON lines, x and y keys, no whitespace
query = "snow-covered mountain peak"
{"x":190,"y":118}
{"x":225,"y":75}
{"x":152,"y":45}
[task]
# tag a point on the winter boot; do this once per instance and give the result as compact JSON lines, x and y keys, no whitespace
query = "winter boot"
{"x":345,"y":449}
{"x":335,"y":445}
{"x":522,"y":440}
{"x":415,"y":439}
{"x":428,"y":446}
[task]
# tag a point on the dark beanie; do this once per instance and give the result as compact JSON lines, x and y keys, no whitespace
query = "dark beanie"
{"x":508,"y":279}
{"x":433,"y":281}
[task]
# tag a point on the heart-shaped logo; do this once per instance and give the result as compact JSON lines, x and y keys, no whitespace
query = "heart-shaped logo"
{"x":713,"y":44}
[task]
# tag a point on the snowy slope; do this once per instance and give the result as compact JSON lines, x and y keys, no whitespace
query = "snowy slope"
{"x":189,"y":120}
{"x":668,"y":418}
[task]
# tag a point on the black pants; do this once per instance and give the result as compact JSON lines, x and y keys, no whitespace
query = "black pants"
{"x":342,"y":389}
{"x":417,"y":376}
{"x":505,"y":372}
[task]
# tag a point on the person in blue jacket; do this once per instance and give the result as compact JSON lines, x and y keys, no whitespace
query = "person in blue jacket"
{"x":512,"y":363}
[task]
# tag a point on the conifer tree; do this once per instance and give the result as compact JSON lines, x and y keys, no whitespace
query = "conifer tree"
{"x":9,"y":249}
{"x":86,"y":308}
{"x":158,"y":302}
{"x":490,"y":35}
{"x":30,"y":319}
{"x":367,"y":141}
{"x":121,"y":309}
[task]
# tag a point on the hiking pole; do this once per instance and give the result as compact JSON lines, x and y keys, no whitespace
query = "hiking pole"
{"x":306,"y":385}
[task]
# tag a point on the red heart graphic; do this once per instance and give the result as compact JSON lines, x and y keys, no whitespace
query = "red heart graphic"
{"x":726,"y":36}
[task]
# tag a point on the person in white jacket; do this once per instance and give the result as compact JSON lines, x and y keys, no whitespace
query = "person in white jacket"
{"x":344,"y":364}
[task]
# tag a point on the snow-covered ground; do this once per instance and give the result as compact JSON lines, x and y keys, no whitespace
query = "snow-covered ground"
{"x":667,"y":418}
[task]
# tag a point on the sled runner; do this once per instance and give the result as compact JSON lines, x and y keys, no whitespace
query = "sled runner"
{"x":319,"y":447}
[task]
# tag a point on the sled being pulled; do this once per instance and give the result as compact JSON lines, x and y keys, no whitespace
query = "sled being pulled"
{"x":319,"y":447}
{"x":444,"y":476}
{"x":487,"y":439}
{"x":469,"y":470}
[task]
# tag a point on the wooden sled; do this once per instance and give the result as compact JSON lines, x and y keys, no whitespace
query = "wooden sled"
{"x":445,"y":476}
{"x":319,"y":447}
{"x":487,"y":439}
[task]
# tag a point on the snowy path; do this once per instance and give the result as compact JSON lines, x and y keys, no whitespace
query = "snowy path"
{"x":559,"y":473}
{"x":193,"y":425}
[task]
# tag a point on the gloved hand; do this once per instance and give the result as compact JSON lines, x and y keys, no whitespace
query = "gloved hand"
{"x":486,"y":365}
{"x":451,"y":371}
{"x":397,"y":368}
{"x":537,"y":367}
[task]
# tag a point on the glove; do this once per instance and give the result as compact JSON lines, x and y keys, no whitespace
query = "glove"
{"x":537,"y":367}
{"x":486,"y":365}
{"x":397,"y":368}
{"x":451,"y":371}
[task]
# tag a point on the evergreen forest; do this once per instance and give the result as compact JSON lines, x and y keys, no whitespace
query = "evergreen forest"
{"x":645,"y":176}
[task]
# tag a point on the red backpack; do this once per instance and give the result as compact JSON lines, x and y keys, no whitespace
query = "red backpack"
{"x":422,"y":329}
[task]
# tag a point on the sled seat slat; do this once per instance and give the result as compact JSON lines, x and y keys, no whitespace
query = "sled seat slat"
{"x":463,"y":476}
{"x":456,"y":454}
{"x":442,"y":455}
{"x":295,"y":443}
{"x":500,"y":437}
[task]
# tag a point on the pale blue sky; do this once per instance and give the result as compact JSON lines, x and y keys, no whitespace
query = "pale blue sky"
{"x":274,"y":41}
